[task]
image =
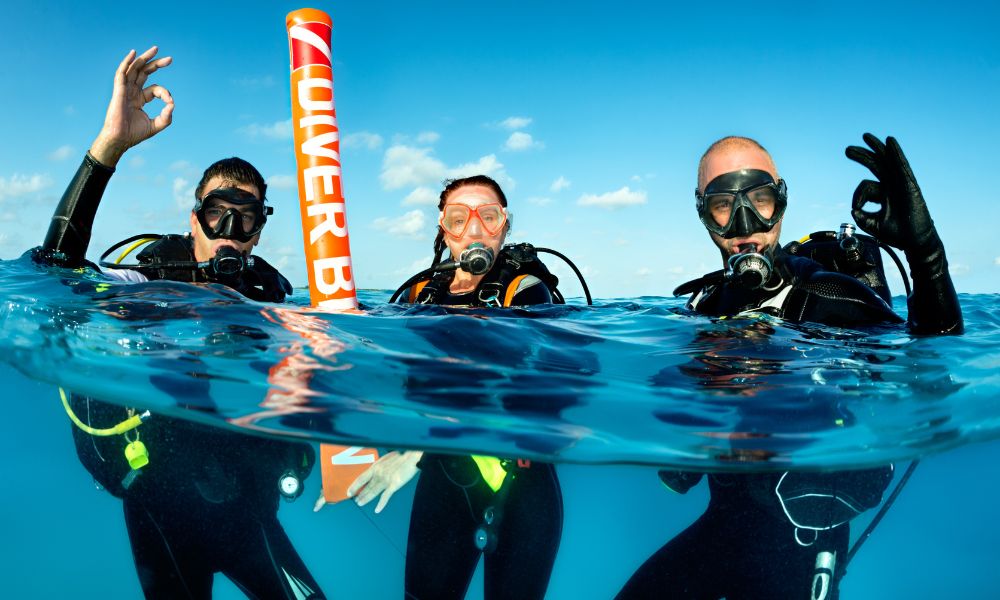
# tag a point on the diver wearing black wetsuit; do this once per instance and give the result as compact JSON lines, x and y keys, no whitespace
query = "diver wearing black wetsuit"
{"x":779,"y":535}
{"x":457,"y":516}
{"x":207,"y":500}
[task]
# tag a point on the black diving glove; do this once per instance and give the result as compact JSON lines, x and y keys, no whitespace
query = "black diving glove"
{"x":903,"y":221}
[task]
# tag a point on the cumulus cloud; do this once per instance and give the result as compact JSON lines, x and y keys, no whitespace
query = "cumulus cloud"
{"x":515,"y":122}
{"x":613,"y":200}
{"x":183,"y":194}
{"x":487,"y":165}
{"x":19,"y":185}
{"x":539,"y":200}
{"x":559,"y":184}
{"x":996,"y":261}
{"x":643,"y":272}
{"x":281,"y":182}
{"x":410,"y":225}
{"x":279,"y":130}
{"x":405,"y":166}
{"x":62,"y":153}
{"x":362,"y":139}
{"x":428,"y":137}
{"x":520,"y":141}
{"x":958,"y":269}
{"x":422,"y":196}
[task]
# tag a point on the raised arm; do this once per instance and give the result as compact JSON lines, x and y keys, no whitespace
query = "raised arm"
{"x":902,"y":220}
{"x":125,"y":125}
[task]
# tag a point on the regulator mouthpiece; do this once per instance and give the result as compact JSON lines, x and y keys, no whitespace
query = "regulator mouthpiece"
{"x":476,"y":259}
{"x":228,"y":262}
{"x":750,"y":268}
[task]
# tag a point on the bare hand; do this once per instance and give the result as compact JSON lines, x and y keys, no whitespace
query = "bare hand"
{"x":126,"y":123}
{"x":384,"y":478}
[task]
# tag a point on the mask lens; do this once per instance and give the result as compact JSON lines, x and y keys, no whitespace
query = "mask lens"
{"x":456,"y":219}
{"x":720,"y":208}
{"x":763,"y":200}
{"x":492,"y":218}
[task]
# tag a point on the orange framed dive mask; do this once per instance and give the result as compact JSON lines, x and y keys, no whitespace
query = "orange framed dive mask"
{"x":456,"y":219}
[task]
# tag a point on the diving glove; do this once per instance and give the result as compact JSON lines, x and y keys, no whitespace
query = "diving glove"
{"x":902,"y":220}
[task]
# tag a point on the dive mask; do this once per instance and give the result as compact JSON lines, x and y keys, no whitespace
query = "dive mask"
{"x":742,"y":203}
{"x":232,"y":214}
{"x":456,"y":218}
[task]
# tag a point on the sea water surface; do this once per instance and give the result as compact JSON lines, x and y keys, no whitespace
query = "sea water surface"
{"x":609,"y":392}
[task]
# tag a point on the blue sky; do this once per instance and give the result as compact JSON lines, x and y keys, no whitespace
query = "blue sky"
{"x":592,"y":116}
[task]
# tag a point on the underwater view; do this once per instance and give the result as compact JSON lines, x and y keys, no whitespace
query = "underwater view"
{"x":618,"y":389}
{"x":215,"y":391}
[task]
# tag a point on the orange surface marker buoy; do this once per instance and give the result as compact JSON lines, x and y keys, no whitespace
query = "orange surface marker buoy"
{"x":321,"y":202}
{"x":317,"y":155}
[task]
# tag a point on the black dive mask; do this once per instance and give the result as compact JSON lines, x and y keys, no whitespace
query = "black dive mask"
{"x":232,"y":214}
{"x":742,"y":203}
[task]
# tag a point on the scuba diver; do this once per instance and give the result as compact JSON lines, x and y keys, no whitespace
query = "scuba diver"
{"x":508,"y":511}
{"x":781,"y":534}
{"x":197,"y":499}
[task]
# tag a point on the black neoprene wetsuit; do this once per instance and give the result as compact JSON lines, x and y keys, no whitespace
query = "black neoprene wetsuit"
{"x":450,"y":505}
{"x":744,"y":546}
{"x":207,"y":501}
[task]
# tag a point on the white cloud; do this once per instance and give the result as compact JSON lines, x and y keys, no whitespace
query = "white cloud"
{"x":613,"y":200}
{"x":19,"y":185}
{"x":560,"y":184}
{"x":515,"y":122}
{"x":410,"y":225}
{"x":487,"y":165}
{"x":996,"y":261}
{"x":180,"y":165}
{"x":137,"y":162}
{"x":183,"y":194}
{"x":959,"y":269}
{"x":363,"y":139}
{"x":428,"y":137}
{"x":281,"y":182}
{"x":279,"y":130}
{"x":519,"y":141}
{"x":62,"y":153}
{"x":643,"y":272}
{"x":539,"y":200}
{"x":408,"y":166}
{"x":422,"y":195}
{"x":405,"y":166}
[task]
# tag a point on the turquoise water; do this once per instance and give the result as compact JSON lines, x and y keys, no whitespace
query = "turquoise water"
{"x":627,"y":381}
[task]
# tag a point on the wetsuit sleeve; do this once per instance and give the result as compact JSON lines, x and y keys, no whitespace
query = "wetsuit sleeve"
{"x":69,"y":231}
{"x":529,"y":291}
{"x":933,"y":304}
{"x":838,"y":300}
{"x":825,"y":500}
